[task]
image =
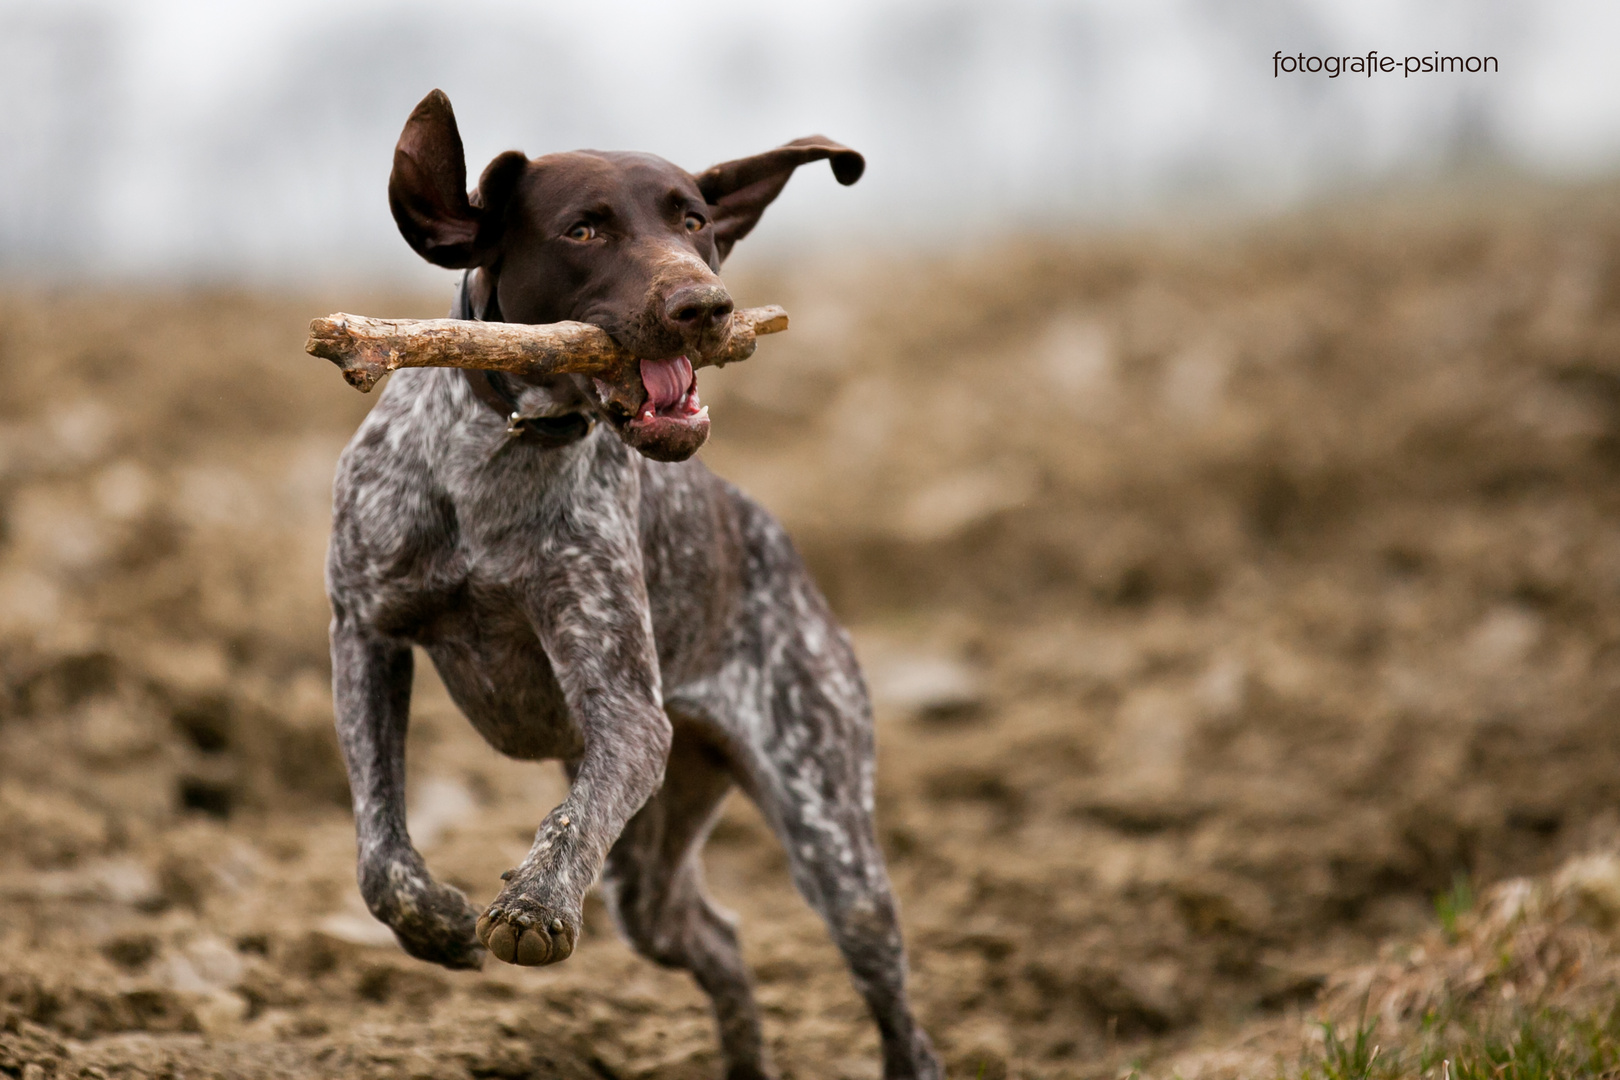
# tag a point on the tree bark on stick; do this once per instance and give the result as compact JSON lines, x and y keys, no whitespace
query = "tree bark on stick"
{"x":366,"y":349}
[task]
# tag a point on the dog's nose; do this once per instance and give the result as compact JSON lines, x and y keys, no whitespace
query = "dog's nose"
{"x":696,"y":308}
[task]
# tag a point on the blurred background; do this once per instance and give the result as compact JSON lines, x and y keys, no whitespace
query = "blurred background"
{"x":200,"y":140}
{"x":1218,"y":473}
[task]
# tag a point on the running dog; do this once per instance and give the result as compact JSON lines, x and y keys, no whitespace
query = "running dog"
{"x":588,"y":593}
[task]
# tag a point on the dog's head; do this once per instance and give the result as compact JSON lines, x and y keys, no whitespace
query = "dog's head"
{"x":628,"y":242}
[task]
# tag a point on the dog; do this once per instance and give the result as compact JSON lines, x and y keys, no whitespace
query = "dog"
{"x":589,"y":593}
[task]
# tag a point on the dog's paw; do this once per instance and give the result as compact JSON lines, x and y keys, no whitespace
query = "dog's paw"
{"x":434,"y":922}
{"x":455,"y":953}
{"x":523,"y":931}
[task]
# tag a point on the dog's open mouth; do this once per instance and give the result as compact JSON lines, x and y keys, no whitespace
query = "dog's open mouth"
{"x":672,"y":395}
{"x":665,"y":420}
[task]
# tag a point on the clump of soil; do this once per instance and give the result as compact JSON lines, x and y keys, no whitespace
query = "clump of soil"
{"x":1224,"y":595}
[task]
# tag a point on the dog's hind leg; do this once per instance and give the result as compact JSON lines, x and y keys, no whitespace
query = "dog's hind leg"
{"x":812,"y":778}
{"x":654,"y":883}
{"x":371,"y":690}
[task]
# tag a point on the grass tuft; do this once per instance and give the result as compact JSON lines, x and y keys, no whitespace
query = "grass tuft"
{"x":1451,"y":905}
{"x":1541,"y":1044}
{"x":1346,"y":1059}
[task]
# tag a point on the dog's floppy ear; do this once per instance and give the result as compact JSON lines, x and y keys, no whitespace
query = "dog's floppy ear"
{"x":739,"y":191}
{"x":427,"y":189}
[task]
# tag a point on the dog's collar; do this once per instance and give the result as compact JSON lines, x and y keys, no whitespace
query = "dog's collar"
{"x":495,"y":389}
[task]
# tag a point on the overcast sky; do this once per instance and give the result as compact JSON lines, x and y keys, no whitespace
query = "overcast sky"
{"x":252,"y":139}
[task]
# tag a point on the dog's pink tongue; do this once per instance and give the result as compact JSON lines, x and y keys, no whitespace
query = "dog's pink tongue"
{"x":667,"y":381}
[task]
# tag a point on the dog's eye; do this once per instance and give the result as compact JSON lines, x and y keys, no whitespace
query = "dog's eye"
{"x":694,"y":222}
{"x":581,"y":231}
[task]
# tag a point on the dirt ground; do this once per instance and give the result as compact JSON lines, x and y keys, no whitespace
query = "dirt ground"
{"x":1224,"y":592}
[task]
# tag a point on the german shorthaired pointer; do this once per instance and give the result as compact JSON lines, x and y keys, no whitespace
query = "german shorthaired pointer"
{"x":588,"y":593}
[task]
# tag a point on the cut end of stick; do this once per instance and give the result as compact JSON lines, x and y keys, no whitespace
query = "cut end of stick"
{"x":768,"y":320}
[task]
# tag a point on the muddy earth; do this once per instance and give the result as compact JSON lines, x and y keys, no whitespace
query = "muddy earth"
{"x":1224,"y":592}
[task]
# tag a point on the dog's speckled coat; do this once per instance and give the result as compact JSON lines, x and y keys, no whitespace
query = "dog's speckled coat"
{"x":641,"y":620}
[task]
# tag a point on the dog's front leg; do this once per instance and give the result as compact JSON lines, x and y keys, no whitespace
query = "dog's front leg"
{"x":371,"y":690}
{"x":592,"y":619}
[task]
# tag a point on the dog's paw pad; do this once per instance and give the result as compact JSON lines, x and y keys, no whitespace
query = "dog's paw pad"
{"x":525,"y":938}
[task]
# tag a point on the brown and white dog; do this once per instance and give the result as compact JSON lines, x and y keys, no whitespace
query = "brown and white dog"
{"x":588,"y":593}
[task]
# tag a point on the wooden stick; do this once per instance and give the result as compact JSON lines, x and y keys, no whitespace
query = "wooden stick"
{"x":367,"y":349}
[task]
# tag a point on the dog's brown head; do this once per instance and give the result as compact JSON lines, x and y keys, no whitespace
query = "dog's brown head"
{"x":628,"y":242}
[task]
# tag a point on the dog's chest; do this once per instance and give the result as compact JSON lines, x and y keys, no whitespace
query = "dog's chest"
{"x":479,"y":627}
{"x":605,"y":551}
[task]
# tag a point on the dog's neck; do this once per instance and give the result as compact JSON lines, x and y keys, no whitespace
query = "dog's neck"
{"x":476,"y":296}
{"x":476,"y":299}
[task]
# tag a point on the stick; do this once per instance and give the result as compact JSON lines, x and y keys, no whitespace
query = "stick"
{"x":367,"y":349}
